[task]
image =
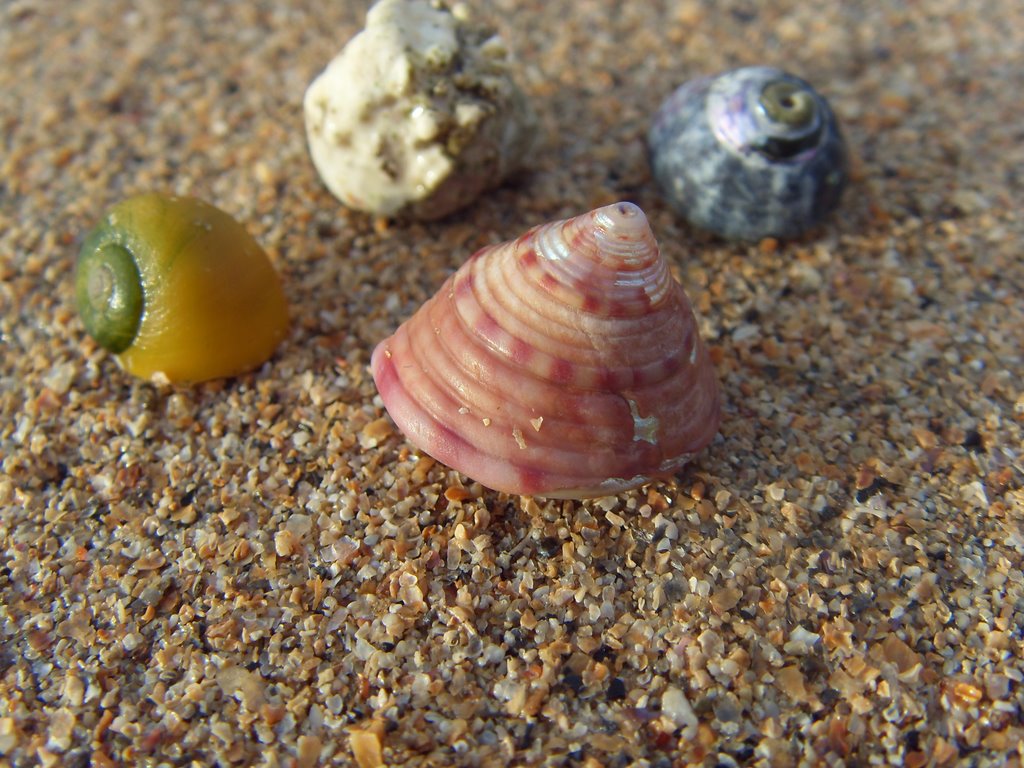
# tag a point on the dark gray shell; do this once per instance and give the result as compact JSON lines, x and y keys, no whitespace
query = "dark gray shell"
{"x":751,"y":153}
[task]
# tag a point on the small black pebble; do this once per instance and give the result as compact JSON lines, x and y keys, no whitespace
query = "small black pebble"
{"x":573,"y":682}
{"x":526,"y":738}
{"x":973,"y":442}
{"x":829,"y":513}
{"x":78,"y":760}
{"x":550,"y":546}
{"x":861,"y":603}
{"x":616,"y":689}
{"x":863,"y":494}
{"x":912,"y":739}
{"x":326,"y":231}
{"x":829,"y":696}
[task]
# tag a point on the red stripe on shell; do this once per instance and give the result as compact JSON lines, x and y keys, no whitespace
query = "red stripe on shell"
{"x":561,"y":371}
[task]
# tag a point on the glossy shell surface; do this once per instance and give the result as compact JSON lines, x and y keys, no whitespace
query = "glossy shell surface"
{"x":566,"y":363}
{"x":748,"y":154}
{"x":179,"y":290}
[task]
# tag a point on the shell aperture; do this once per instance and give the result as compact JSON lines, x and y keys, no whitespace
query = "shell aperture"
{"x":108,"y":291}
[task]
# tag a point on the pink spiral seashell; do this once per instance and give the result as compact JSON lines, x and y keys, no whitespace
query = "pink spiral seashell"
{"x":566,"y":363}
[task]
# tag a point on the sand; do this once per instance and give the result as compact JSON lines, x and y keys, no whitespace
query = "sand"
{"x":263,"y":571}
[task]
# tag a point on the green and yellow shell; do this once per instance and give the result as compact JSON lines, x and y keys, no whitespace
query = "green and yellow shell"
{"x":177,"y":288}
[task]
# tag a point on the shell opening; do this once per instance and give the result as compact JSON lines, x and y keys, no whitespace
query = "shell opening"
{"x":793,"y":124}
{"x":787,"y":103}
{"x":109,"y":295}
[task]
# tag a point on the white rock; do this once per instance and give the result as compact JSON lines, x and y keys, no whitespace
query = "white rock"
{"x":418,"y":114}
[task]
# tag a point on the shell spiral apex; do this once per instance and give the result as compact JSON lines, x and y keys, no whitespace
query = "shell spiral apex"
{"x":566,"y":363}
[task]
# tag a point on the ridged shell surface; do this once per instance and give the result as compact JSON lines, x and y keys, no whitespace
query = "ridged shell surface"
{"x":750,"y":153}
{"x":566,"y":363}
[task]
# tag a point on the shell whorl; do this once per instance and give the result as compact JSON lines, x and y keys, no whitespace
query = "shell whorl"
{"x":566,"y":362}
{"x":612,"y":247}
{"x":751,"y":153}
{"x":766,"y":115}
